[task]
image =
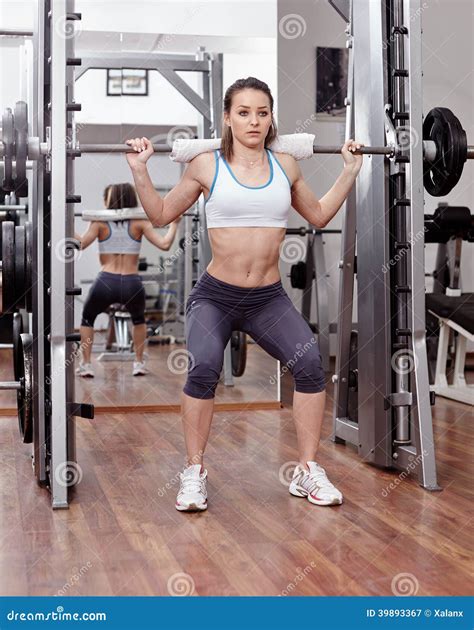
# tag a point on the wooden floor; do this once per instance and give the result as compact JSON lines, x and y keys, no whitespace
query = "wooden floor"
{"x":123,"y":536}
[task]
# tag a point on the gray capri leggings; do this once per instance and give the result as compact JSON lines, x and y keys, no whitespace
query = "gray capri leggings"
{"x":215,"y":308}
{"x":109,"y":288}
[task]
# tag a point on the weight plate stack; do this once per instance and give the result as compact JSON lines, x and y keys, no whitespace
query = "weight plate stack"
{"x":21,"y":148}
{"x":20,"y":267}
{"x":25,"y":394}
{"x":17,"y":331}
{"x":8,"y":267}
{"x":8,"y":149}
{"x":29,"y":266}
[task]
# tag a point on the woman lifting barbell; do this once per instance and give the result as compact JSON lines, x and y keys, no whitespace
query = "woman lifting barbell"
{"x":248,"y":191}
{"x":118,"y":280}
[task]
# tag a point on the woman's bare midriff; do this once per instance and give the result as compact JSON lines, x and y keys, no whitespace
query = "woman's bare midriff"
{"x":124,"y":264}
{"x":246,"y":256}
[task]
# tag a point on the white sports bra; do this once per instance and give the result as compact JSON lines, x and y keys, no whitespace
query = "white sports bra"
{"x":232,"y":204}
{"x":119,"y":240}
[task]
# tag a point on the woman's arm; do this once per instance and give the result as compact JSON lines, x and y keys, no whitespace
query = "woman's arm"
{"x":319,"y":212}
{"x":162,"y":242}
{"x":161,"y":211}
{"x":90,"y":234}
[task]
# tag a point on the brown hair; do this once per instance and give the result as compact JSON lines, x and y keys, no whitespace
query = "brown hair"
{"x":238,"y":86}
{"x":120,"y":196}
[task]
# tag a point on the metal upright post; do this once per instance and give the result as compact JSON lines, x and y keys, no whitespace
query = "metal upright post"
{"x":37,"y":201}
{"x":374,"y":418}
{"x":58,"y":235}
{"x":344,"y":427}
{"x":418,"y":456}
{"x":69,"y":252}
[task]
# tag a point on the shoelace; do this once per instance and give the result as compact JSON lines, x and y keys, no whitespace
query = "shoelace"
{"x":191,"y":484}
{"x":319,"y":481}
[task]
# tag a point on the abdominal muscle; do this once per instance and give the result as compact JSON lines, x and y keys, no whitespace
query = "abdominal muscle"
{"x":246,"y":256}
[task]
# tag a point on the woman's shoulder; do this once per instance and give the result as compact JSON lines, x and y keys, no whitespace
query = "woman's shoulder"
{"x":203,"y":159}
{"x":289,"y":165}
{"x":284,"y":158}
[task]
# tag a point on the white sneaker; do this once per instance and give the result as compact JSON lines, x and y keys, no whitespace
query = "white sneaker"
{"x":314,"y":485}
{"x":85,"y":369}
{"x":139,"y":368}
{"x":192,"y":495}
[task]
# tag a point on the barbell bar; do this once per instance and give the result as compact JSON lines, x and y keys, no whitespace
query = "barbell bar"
{"x":445,"y":149}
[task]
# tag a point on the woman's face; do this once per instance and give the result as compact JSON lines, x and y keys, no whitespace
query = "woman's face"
{"x":250,"y":117}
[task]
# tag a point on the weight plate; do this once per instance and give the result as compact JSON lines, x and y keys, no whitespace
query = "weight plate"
{"x":25,"y":394}
{"x":298,"y":275}
{"x":238,"y":352}
{"x":443,"y":128}
{"x":8,"y":149}
{"x":21,"y":148}
{"x":29,"y":266}
{"x":17,"y":331}
{"x":20,"y":286}
{"x":8,"y":267}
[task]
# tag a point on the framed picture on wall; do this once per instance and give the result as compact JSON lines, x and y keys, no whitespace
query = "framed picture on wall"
{"x":127,"y":82}
{"x":331,"y":83}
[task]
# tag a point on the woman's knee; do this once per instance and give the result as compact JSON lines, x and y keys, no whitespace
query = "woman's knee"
{"x":203,"y":377}
{"x":308,"y":373}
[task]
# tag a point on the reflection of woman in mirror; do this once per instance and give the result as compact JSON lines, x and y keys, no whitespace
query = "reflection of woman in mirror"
{"x":249,"y":191}
{"x":118,"y":280}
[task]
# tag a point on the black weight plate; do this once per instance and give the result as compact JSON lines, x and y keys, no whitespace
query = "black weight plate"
{"x":8,"y":267}
{"x":29,"y":266}
{"x":238,"y":352}
{"x":298,"y":275}
{"x":25,"y":394}
{"x":8,"y":149}
{"x":20,"y":266}
{"x":21,"y":148}
{"x":443,"y":128}
{"x":17,"y":331}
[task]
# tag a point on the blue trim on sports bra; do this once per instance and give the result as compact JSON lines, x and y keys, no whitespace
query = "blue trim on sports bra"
{"x":137,"y":240}
{"x":253,"y":187}
{"x":110,"y":234}
{"x":283,"y":170}
{"x":215,"y":176}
